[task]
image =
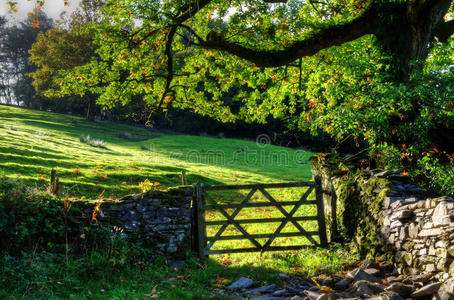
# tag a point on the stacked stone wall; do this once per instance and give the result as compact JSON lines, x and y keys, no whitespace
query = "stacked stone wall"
{"x":383,"y":213}
{"x":162,"y":220}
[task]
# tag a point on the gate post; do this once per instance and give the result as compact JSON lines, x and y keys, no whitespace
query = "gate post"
{"x":200,"y":219}
{"x":320,"y":211}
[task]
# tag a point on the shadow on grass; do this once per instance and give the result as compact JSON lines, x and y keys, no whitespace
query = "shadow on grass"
{"x":93,"y":277}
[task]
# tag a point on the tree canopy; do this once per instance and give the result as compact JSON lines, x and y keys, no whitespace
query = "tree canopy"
{"x":377,"y":69}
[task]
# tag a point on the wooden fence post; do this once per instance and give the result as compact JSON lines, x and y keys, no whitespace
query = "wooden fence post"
{"x":183,"y":177}
{"x":55,"y":185}
{"x":320,"y":211}
{"x":200,"y":219}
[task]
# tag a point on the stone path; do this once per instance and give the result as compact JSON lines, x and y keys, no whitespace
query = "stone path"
{"x":368,"y":281}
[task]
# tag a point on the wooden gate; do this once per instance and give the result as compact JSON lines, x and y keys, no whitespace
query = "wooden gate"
{"x":205,"y":202}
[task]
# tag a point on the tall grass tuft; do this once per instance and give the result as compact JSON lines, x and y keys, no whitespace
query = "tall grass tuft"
{"x":86,"y":139}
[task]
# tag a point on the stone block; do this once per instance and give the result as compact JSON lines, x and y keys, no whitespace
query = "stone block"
{"x":141,"y":208}
{"x":430,"y":232}
{"x":152,"y":201}
{"x":442,"y":244}
{"x":402,"y":215}
{"x":441,"y":214}
{"x":132,"y":226}
{"x":444,"y":198}
{"x":428,"y":225}
{"x":413,"y":230}
{"x":397,"y":204}
{"x":131,"y":215}
{"x":432,"y":250}
{"x":441,"y":252}
{"x":392,"y":238}
{"x":451,"y":250}
{"x":419,"y":244}
{"x":429,"y":268}
{"x":411,"y":200}
{"x":396,"y":225}
{"x":443,"y":264}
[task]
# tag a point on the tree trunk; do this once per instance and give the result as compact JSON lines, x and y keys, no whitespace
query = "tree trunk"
{"x":90,"y":108}
{"x":408,"y":32}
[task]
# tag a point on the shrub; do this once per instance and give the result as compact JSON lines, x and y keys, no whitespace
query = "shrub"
{"x":387,"y":156}
{"x":86,"y":139}
{"x":30,"y":218}
{"x":439,"y":177}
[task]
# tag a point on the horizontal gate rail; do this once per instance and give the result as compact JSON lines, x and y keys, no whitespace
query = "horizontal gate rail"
{"x":260,"y":236}
{"x":257,"y":186}
{"x":261,"y":204}
{"x":264,"y":220}
{"x":205,"y":202}
{"x":272,"y":248}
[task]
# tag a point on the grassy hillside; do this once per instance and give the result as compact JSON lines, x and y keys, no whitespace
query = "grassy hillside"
{"x":33,"y":142}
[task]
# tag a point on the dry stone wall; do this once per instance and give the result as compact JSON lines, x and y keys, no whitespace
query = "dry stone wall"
{"x":422,"y":232}
{"x":383,"y":213}
{"x":162,"y":220}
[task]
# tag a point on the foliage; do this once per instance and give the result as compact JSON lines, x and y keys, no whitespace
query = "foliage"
{"x":61,"y":48}
{"x":438,"y":177}
{"x":350,"y":91}
{"x":42,"y":274}
{"x":15,"y":41}
{"x":146,"y":185}
{"x":30,"y":219}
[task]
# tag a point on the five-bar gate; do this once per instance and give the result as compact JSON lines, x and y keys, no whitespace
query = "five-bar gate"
{"x":205,"y":202}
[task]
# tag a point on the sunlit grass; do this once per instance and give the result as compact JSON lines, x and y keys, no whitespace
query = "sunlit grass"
{"x":34,"y":142}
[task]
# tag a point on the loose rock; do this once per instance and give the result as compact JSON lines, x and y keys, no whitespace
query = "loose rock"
{"x":264,"y":290}
{"x":342,"y":284}
{"x":402,"y":289}
{"x":242,"y":283}
{"x":427,"y":290}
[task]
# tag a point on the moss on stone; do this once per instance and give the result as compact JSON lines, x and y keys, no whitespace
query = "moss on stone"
{"x":359,"y":205}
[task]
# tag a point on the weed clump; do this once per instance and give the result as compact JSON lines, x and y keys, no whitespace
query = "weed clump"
{"x":86,"y":139}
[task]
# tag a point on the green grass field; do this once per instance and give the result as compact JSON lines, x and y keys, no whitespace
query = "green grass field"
{"x":33,"y":142}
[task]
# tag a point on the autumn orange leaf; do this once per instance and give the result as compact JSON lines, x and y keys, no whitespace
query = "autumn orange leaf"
{"x":34,"y":24}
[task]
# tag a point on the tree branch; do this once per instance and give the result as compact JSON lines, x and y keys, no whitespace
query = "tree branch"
{"x":190,"y":9}
{"x":331,"y":36}
{"x":185,"y":13}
